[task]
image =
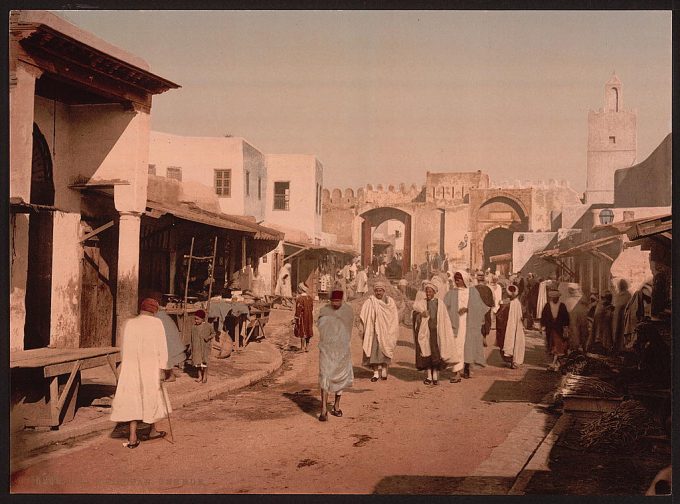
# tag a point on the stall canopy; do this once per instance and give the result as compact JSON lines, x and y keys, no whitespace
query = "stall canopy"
{"x":193,"y":213}
{"x":304,"y":247}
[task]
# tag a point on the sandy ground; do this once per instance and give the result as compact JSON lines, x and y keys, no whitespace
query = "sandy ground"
{"x":397,"y":435}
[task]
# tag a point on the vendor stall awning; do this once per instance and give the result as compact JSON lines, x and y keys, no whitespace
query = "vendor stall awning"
{"x":224,"y":221}
{"x":650,"y":227}
{"x":590,"y":246}
{"x":304,"y":247}
{"x":625,"y":225}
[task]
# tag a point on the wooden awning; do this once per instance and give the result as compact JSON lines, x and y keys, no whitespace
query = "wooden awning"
{"x":224,"y":221}
{"x":501,"y":258}
{"x":18,"y":205}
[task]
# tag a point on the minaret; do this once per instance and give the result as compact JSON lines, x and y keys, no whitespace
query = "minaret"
{"x":612,"y":143}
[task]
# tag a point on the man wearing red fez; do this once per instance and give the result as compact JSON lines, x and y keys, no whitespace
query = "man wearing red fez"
{"x":202,"y":334}
{"x":144,"y":354}
{"x":335,"y":359}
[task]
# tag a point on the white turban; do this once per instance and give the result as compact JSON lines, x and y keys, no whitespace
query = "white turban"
{"x":431,"y":286}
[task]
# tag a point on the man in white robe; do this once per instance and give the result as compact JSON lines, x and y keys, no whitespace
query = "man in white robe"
{"x":515,"y":342}
{"x":144,"y":354}
{"x":380,"y":329}
{"x":466,"y":311}
{"x":362,"y":281}
{"x":335,"y":359}
{"x":283,"y":283}
{"x":435,"y":341}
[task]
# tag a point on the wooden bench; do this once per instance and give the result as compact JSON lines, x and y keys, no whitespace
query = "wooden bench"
{"x":61,"y":362}
{"x":255,"y":323}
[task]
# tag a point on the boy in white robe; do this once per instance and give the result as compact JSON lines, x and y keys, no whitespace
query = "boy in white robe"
{"x":515,"y":344}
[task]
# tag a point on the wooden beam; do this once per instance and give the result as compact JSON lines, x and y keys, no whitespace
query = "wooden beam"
{"x":96,"y":231}
{"x":67,"y":387}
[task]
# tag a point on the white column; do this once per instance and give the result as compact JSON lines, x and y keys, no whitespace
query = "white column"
{"x":21,"y":104}
{"x":128,"y":269}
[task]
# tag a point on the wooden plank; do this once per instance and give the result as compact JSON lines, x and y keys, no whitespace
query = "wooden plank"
{"x":52,"y":401}
{"x":96,"y":231}
{"x":67,"y":387}
{"x":42,"y":357}
{"x":86,"y":363}
{"x":112,"y":364}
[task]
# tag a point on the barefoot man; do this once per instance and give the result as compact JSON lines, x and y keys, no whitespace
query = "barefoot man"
{"x":335,"y":360}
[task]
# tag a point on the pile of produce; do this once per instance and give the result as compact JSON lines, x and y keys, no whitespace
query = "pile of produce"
{"x":580,"y":364}
{"x":586,"y":386}
{"x":618,"y":429}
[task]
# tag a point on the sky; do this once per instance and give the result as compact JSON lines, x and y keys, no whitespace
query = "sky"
{"x":382,"y":97}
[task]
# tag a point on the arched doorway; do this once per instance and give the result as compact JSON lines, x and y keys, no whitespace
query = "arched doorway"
{"x":40,"y":225}
{"x":497,"y":243}
{"x":497,"y":218}
{"x":374,"y":218}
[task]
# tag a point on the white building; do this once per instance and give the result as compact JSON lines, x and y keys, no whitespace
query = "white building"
{"x":233,"y":167}
{"x":294,"y":185}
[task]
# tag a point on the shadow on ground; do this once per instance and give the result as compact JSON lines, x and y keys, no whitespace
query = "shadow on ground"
{"x":443,"y":485}
{"x":531,"y":388}
{"x":307,"y":403}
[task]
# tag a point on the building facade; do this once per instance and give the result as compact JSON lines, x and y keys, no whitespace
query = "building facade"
{"x":79,"y":145}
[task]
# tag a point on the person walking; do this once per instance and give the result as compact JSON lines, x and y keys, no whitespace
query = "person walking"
{"x":380,"y":329}
{"x":144,"y":354}
{"x":303,"y":319}
{"x":202,"y":334}
{"x":362,"y":281}
{"x":514,"y":342}
{"x":283,"y":283}
{"x":466,"y":311}
{"x":335,"y":359}
{"x":602,"y":322}
{"x":486,"y":294}
{"x":435,"y":345}
{"x":620,"y":301}
{"x":554,"y":320}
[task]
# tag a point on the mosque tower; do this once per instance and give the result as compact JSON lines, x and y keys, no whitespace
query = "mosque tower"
{"x":612,"y":143}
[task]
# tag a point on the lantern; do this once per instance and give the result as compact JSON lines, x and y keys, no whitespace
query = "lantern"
{"x":606,"y":216}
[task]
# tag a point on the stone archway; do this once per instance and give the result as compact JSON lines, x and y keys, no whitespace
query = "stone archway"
{"x":373,"y":218}
{"x":495,"y":220}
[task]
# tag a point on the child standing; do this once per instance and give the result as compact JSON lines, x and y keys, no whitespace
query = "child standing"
{"x":202,"y":334}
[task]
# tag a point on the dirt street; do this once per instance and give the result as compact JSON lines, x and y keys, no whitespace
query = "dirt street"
{"x":396,"y":436}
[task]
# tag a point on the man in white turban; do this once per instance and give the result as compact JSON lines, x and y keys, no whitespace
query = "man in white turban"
{"x":380,"y":328}
{"x":466,"y":311}
{"x":284,"y":287}
{"x":435,"y":344}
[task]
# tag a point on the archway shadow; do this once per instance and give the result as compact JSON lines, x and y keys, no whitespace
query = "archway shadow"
{"x":407,"y":344}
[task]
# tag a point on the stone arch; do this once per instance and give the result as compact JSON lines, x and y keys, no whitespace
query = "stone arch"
{"x":510,"y":200}
{"x":373,"y":218}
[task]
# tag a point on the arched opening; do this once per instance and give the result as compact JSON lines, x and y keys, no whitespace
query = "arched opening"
{"x":40,"y":226}
{"x":386,"y":231}
{"x":497,"y":248}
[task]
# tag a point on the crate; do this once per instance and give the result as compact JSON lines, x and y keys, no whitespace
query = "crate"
{"x":589,"y":403}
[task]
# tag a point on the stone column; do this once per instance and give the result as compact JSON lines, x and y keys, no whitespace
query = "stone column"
{"x":128,"y":269}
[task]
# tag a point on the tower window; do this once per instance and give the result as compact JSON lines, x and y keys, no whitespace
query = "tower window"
{"x":612,"y":139}
{"x":174,"y":172}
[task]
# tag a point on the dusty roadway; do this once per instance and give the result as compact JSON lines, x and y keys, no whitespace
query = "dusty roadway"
{"x":397,"y":436}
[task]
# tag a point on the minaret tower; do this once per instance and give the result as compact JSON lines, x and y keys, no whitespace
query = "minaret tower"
{"x":612,"y":143}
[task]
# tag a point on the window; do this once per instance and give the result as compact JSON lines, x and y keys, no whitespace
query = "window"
{"x":612,"y":139}
{"x":281,"y":195}
{"x":247,"y":183}
{"x":259,"y":188}
{"x":223,"y":182}
{"x":320,"y":198}
{"x":152,"y":169}
{"x":174,"y":172}
{"x":316,"y":199}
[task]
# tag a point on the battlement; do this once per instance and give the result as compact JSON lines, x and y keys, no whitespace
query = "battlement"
{"x":529,"y":184}
{"x":383,"y":194}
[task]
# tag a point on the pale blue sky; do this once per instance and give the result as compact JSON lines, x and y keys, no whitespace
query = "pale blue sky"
{"x":382,"y":97}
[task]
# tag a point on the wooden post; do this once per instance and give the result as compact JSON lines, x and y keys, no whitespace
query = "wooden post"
{"x":186,"y":292}
{"x":211,"y":276}
{"x":243,"y":251}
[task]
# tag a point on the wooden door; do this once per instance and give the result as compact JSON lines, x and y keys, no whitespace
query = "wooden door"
{"x":97,"y":295}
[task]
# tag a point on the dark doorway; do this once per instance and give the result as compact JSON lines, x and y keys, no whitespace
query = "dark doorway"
{"x":373,"y":218}
{"x":40,"y":244}
{"x":497,"y":242}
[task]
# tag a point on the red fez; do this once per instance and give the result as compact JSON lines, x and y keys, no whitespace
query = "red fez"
{"x":336,"y":295}
{"x":149,"y":305}
{"x":200,"y":314}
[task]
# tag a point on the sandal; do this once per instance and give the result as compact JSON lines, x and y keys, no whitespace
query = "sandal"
{"x":455,"y":379}
{"x":435,"y":382}
{"x":383,"y":377}
{"x":374,"y":379}
{"x":130,"y":445}
{"x":323,"y":418}
{"x":427,"y":381}
{"x":159,"y":435}
{"x":337,"y":413}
